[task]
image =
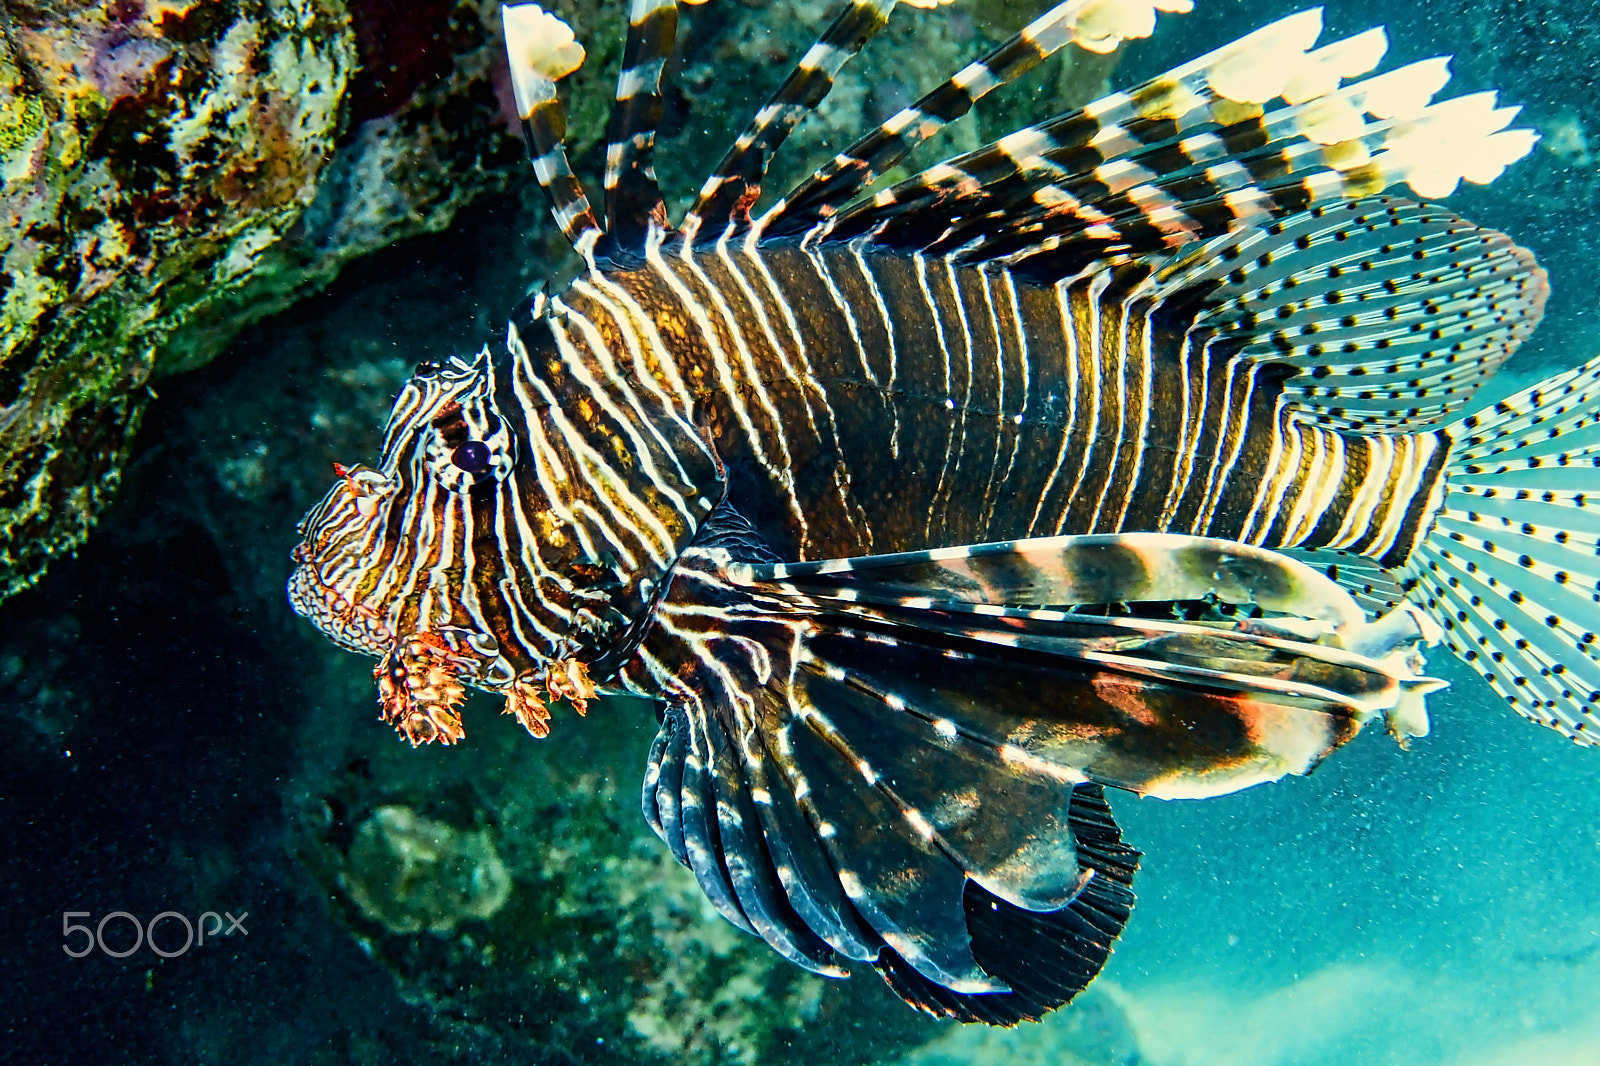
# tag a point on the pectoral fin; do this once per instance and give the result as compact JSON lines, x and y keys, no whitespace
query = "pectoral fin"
{"x":898,"y":758}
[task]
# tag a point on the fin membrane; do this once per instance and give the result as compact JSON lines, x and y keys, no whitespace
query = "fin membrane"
{"x":1047,"y":957}
{"x":1376,"y":589}
{"x":1393,"y":312}
{"x":891,"y":759}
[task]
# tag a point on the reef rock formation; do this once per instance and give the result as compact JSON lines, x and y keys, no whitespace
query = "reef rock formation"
{"x":172,"y":171}
{"x":150,"y":150}
{"x":412,"y":873}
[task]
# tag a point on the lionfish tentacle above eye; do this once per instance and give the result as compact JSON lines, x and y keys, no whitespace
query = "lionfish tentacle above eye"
{"x":542,"y":51}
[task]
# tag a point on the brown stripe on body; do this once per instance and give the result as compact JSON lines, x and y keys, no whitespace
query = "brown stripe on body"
{"x":1423,"y":507}
{"x":804,"y":416}
{"x":1138,"y":368}
{"x":896,"y":492}
{"x":1277,"y":521}
{"x":1045,"y":418}
{"x":983,"y":436}
{"x":1357,"y":462}
{"x":686,"y":345}
{"x":1105,"y":360}
{"x":953,"y":343}
{"x":1083,"y":405}
{"x":490,"y":563}
{"x":1252,"y":428}
{"x":1162,"y":460}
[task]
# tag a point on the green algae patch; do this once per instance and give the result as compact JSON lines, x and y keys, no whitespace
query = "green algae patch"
{"x":148,"y":154}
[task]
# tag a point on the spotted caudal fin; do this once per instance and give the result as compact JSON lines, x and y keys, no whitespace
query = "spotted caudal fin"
{"x":541,"y":50}
{"x":1512,"y":564}
{"x":896,"y":759}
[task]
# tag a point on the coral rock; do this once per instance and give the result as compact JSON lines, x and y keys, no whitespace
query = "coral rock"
{"x":150,"y":150}
{"x":413,"y":873}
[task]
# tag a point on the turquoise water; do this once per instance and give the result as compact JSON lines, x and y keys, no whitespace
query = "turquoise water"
{"x":181,"y":742}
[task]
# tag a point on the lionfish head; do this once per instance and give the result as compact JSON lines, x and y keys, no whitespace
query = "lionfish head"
{"x":383,"y":564}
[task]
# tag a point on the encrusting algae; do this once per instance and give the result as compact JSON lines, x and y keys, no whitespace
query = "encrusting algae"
{"x":150,"y":152}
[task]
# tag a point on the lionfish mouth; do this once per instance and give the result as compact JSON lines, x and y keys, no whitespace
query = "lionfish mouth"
{"x":353,"y":626}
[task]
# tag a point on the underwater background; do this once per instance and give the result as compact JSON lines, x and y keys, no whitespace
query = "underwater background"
{"x":178,"y":741}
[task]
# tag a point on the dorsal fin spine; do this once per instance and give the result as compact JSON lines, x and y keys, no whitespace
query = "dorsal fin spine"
{"x":541,"y":50}
{"x":633,"y":199}
{"x":851,"y":171}
{"x":729,"y":192}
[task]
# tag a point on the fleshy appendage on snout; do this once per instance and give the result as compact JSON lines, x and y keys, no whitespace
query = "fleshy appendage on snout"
{"x":423,"y":681}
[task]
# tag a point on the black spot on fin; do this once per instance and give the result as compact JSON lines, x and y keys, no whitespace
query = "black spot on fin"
{"x":1511,"y":566}
{"x":1376,"y":588}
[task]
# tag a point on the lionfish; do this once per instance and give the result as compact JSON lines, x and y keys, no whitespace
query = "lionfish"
{"x":1132,"y":449}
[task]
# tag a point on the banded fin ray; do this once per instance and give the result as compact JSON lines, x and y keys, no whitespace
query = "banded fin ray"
{"x":541,"y":51}
{"x":734,"y":184}
{"x":1193,"y":153}
{"x":852,"y":170}
{"x":898,"y":768}
{"x":633,"y":199}
{"x":968,"y":184}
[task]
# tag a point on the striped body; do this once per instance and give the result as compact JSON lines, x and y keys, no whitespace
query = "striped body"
{"x":886,"y":403}
{"x":860,"y":403}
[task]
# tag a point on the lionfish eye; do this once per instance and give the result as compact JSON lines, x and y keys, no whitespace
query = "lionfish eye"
{"x":469,"y":444}
{"x":473,"y":457}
